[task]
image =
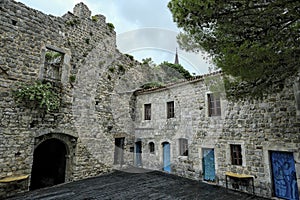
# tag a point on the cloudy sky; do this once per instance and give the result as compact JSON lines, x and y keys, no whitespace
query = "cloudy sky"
{"x":144,"y":28}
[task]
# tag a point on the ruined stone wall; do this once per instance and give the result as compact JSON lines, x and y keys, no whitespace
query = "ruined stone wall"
{"x":89,"y":48}
{"x":96,"y":83}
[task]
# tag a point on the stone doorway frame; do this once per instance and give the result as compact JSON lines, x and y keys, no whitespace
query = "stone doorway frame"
{"x":70,"y":143}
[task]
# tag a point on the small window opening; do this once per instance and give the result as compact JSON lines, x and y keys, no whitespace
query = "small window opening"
{"x":170,"y":109}
{"x":151,"y":147}
{"x":14,"y":22}
{"x":183,"y":147}
{"x":147,"y":111}
{"x":53,"y":65}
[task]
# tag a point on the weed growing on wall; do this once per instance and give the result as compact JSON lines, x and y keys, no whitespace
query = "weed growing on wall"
{"x":37,"y":95}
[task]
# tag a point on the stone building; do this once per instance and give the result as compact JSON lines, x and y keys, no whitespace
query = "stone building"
{"x":193,"y":131}
{"x":106,"y":121}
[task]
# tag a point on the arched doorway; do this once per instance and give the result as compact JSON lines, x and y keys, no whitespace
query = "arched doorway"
{"x":49,"y":164}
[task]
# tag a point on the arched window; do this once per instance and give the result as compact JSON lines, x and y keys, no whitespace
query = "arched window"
{"x":151,"y":147}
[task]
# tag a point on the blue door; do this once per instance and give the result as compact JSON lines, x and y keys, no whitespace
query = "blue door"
{"x":284,"y":175}
{"x":138,"y":154}
{"x":166,"y":157}
{"x":209,"y":173}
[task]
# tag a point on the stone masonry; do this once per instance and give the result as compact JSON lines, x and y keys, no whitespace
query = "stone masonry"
{"x":259,"y":126}
{"x":95,"y":109}
{"x":101,"y":117}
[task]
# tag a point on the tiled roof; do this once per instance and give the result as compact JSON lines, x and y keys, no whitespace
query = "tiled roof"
{"x":177,"y":84}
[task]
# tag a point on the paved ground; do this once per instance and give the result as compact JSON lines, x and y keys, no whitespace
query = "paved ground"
{"x":135,"y":184}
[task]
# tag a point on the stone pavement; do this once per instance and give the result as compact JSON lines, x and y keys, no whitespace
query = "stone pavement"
{"x":135,"y":184}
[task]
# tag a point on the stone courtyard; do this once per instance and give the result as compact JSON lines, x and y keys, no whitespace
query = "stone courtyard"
{"x":135,"y":183}
{"x":104,"y":119}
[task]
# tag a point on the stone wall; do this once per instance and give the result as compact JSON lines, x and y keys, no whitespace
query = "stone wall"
{"x":89,"y":48}
{"x":259,"y":126}
{"x":105,"y":102}
{"x":191,"y":122}
{"x":97,"y":106}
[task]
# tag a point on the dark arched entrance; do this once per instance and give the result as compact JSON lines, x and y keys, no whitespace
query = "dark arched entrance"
{"x":49,"y":164}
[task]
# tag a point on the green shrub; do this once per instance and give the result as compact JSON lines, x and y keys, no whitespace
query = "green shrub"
{"x":37,"y":95}
{"x":111,"y":69}
{"x":111,"y":26}
{"x":95,"y":18}
{"x":72,"y":78}
{"x":130,"y":57}
{"x":151,"y":85}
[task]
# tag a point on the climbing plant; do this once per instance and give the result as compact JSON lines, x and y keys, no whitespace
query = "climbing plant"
{"x":37,"y":95}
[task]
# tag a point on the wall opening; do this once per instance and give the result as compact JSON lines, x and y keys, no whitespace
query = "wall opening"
{"x":138,"y":154}
{"x":119,"y":151}
{"x":53,"y":65}
{"x":49,"y":164}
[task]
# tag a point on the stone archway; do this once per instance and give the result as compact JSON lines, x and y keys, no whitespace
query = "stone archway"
{"x":49,"y":164}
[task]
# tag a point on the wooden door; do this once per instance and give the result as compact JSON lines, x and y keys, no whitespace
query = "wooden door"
{"x":209,"y":173}
{"x":166,"y":157}
{"x":284,"y":175}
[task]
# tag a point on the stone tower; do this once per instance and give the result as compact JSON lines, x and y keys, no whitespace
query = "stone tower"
{"x":82,"y":11}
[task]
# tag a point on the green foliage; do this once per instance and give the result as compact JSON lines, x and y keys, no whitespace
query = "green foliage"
{"x":130,"y":57}
{"x":72,"y":78}
{"x":179,"y":68}
{"x":37,"y":95}
{"x":52,"y":56}
{"x":121,"y":69}
{"x":148,"y":61}
{"x":72,"y":22}
{"x":111,"y":69}
{"x":250,"y":40}
{"x":111,"y":26}
{"x":95,"y":18}
{"x":152,"y":85}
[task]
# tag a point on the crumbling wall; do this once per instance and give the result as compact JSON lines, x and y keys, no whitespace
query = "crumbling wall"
{"x":89,"y":47}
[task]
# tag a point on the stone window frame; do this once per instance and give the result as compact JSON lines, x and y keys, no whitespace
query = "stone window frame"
{"x":213,"y":109}
{"x":183,"y":147}
{"x":147,"y":111}
{"x":170,"y":109}
{"x":151,"y":146}
{"x":228,"y":152}
{"x":65,"y":67}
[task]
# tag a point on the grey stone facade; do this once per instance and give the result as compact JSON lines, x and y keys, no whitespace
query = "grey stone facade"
{"x":101,"y":118}
{"x":259,"y":126}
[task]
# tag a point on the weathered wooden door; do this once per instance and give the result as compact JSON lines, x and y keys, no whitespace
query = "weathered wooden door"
{"x":284,"y":175}
{"x":166,"y":157}
{"x":209,"y":173}
{"x":119,"y":150}
{"x":138,"y":154}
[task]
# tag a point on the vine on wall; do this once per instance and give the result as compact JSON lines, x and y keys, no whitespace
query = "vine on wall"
{"x":37,"y":95}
